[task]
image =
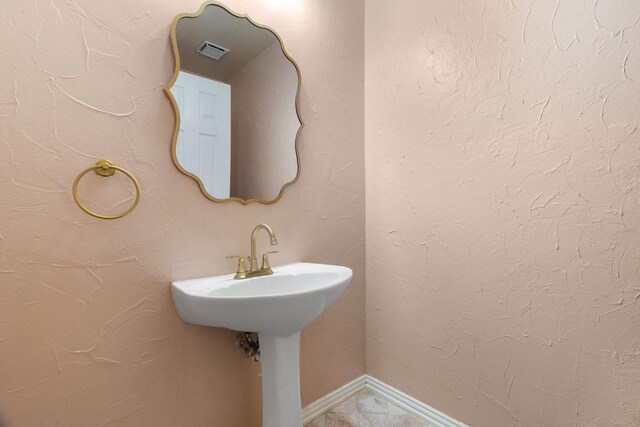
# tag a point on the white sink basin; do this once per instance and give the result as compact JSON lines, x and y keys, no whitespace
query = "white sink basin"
{"x":277,"y":306}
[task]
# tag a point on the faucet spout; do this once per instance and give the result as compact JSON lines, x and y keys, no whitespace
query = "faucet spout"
{"x":254,"y":234}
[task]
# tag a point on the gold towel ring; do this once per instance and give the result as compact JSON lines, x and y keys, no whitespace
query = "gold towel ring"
{"x":105,"y":168}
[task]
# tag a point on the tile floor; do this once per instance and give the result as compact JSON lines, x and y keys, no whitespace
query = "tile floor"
{"x":367,"y":409}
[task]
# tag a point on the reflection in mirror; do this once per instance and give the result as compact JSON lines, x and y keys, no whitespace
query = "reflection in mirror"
{"x":235,"y":91}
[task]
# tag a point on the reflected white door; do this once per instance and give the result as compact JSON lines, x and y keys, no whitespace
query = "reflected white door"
{"x":204,"y":139}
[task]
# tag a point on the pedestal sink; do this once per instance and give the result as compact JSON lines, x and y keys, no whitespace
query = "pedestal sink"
{"x":277,"y":307}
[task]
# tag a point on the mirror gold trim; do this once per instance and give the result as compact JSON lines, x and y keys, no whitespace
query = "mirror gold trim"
{"x":176,"y":70}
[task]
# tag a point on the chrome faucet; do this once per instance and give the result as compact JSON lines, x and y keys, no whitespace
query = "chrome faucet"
{"x":254,"y":271}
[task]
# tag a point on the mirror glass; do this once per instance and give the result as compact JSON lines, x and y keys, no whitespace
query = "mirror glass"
{"x":234,"y":90}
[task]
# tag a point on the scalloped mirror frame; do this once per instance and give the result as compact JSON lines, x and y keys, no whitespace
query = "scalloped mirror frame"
{"x":176,"y":70}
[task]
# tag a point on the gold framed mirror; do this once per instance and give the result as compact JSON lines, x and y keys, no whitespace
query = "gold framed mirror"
{"x":235,"y":93}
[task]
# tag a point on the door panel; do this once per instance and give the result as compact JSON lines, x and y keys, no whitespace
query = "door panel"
{"x":204,"y":138}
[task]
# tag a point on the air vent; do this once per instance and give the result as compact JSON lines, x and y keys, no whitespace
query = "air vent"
{"x":211,"y":50}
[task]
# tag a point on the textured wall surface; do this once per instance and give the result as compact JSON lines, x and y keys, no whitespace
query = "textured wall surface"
{"x":502,"y":156}
{"x":88,"y":333}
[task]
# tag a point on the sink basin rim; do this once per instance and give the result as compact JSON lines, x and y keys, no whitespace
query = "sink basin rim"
{"x":202,"y":287}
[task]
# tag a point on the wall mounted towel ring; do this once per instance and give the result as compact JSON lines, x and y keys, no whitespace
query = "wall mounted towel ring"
{"x":105,"y":168}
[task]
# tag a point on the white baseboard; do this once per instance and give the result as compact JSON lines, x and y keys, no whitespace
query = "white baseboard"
{"x":413,"y":406}
{"x":322,"y":405}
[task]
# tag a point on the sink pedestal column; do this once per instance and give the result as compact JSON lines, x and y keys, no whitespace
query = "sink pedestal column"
{"x":280,"y":360}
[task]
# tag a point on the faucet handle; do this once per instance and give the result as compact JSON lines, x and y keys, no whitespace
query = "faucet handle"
{"x":265,"y":260}
{"x":241,"y":271}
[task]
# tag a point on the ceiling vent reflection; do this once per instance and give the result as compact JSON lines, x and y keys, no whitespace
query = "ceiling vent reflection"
{"x":212,"y":50}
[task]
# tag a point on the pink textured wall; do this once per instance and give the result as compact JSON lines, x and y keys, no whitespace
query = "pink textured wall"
{"x":503,"y":208}
{"x":264,"y":125}
{"x":88,"y":333}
